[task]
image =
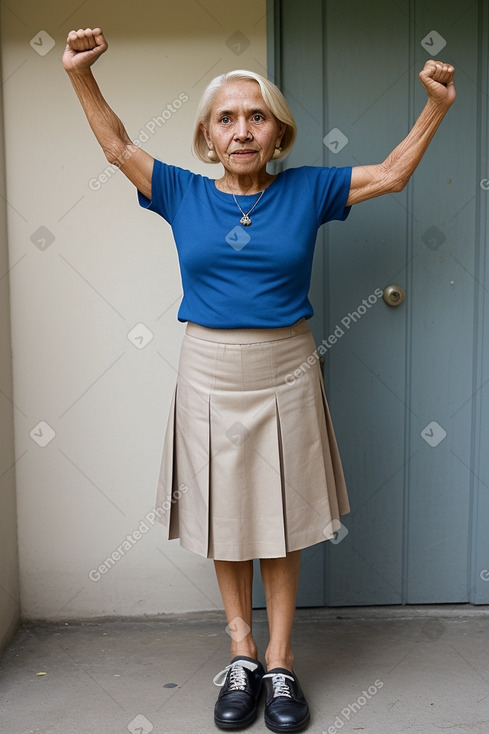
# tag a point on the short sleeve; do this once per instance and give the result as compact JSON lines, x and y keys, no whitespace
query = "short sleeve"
{"x":330,"y":188}
{"x":168,"y":187}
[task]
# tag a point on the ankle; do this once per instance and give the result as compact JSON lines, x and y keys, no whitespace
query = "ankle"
{"x":244,"y":651}
{"x":245,"y":647}
{"x":279,"y":661}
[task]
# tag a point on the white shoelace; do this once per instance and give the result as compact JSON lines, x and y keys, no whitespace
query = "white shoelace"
{"x":237,"y":675}
{"x":280,"y":686}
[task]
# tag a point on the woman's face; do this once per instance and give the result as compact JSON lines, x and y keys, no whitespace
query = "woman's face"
{"x":242,"y":129}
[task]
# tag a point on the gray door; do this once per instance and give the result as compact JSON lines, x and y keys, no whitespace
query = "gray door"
{"x":408,"y":386}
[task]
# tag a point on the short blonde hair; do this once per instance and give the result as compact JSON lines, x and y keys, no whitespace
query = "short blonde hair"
{"x":272,"y":96}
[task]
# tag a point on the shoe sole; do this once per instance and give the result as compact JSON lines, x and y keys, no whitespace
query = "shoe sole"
{"x":241,"y":724}
{"x":293,"y":727}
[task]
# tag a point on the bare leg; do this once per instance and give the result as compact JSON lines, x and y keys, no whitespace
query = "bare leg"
{"x":280,"y":579}
{"x":235,"y":580}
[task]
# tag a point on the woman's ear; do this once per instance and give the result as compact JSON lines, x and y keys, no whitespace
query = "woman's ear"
{"x":282,"y":127}
{"x":205,"y":133}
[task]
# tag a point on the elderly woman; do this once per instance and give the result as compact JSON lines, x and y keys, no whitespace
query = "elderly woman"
{"x":250,"y":465}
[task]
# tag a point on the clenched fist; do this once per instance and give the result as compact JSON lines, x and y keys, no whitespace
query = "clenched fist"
{"x":83,"y":49}
{"x":437,"y":79}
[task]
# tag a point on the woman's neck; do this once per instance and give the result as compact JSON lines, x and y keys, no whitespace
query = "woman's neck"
{"x":243,"y":184}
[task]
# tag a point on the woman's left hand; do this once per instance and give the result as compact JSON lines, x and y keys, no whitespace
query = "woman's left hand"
{"x":437,"y":79}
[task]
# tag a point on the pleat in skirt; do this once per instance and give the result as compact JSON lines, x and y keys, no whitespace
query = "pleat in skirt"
{"x":250,"y":465}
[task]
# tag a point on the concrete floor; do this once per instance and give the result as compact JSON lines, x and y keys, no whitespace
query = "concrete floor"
{"x":374,"y":670}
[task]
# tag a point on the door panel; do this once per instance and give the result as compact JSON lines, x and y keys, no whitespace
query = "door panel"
{"x":366,"y":83}
{"x":406,"y":385}
{"x":442,"y":334}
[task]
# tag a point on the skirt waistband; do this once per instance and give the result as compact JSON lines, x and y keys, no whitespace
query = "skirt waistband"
{"x":246,"y":336}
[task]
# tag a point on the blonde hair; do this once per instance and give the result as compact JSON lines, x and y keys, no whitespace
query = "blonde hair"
{"x":272,"y":96}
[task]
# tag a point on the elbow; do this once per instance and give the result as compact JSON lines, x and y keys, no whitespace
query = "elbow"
{"x":117,"y":153}
{"x":396,"y":177}
{"x":113,"y":155}
{"x":399,"y":184}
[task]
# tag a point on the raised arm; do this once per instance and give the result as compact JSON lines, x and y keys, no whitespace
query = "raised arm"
{"x":393,"y":174}
{"x":83,"y":48}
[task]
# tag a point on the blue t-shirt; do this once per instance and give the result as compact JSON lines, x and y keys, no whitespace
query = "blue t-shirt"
{"x":247,"y":277}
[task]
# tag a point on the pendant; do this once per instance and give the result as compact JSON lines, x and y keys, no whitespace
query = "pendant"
{"x":245,"y":220}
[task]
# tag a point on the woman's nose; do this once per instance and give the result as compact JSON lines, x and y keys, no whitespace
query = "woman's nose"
{"x":242,"y":131}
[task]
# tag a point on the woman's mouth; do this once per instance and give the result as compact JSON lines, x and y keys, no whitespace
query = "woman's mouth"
{"x":243,"y":154}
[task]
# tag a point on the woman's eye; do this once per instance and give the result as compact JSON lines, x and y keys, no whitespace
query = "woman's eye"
{"x":257,"y":117}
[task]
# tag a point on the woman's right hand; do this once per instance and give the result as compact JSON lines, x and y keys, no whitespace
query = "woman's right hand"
{"x":83,"y":49}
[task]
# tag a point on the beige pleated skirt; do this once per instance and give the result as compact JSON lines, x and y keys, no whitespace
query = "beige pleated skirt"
{"x":250,"y":465}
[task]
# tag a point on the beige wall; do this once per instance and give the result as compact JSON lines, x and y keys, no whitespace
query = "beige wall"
{"x":110,"y":266}
{"x":9,"y":560}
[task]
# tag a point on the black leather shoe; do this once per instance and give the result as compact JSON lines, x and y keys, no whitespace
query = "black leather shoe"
{"x":237,"y":703}
{"x":286,"y":708}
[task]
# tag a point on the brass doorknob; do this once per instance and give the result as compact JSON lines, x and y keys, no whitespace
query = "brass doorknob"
{"x":393,"y":295}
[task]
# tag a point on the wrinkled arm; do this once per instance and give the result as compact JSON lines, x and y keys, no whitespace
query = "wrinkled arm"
{"x":393,"y":174}
{"x":83,"y":48}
